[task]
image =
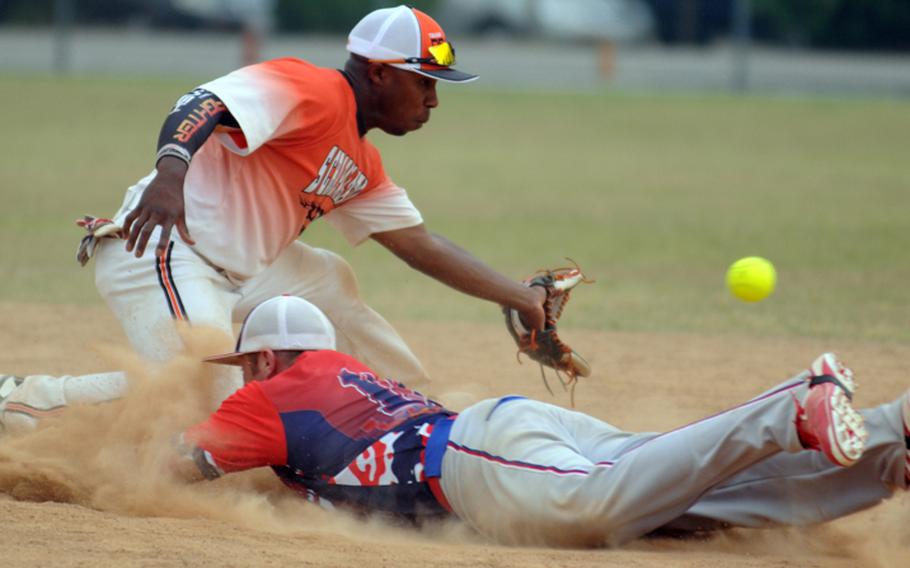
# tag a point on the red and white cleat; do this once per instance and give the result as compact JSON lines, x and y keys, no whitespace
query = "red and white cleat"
{"x":827,"y":421}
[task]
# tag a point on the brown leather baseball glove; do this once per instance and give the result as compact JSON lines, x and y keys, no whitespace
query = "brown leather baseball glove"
{"x":544,"y":346}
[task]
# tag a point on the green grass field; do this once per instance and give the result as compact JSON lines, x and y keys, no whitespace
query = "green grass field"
{"x":653,"y":195}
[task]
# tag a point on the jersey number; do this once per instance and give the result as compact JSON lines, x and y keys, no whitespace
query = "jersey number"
{"x":390,"y":397}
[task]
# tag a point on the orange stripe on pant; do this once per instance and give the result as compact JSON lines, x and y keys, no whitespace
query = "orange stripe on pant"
{"x":32,"y":411}
{"x":169,"y":290}
{"x":166,"y":280}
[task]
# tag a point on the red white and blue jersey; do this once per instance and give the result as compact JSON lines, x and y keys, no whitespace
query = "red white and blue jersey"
{"x":332,"y":430}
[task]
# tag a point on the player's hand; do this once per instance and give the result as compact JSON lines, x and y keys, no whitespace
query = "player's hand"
{"x":161,"y":205}
{"x":532,"y":310}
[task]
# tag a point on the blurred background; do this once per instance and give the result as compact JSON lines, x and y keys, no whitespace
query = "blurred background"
{"x":652,"y":141}
{"x":829,"y":46}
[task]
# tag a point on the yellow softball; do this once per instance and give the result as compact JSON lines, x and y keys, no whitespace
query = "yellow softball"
{"x":751,"y":279}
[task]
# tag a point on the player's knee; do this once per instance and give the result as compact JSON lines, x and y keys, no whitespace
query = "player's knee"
{"x":577,"y":517}
{"x":342,"y":275}
{"x":15,"y":423}
{"x":562,"y":530}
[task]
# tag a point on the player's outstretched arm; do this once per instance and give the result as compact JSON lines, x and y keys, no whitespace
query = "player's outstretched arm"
{"x":457,"y":268}
{"x":245,"y":432}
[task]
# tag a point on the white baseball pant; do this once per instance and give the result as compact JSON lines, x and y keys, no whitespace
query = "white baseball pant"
{"x":148,"y":294}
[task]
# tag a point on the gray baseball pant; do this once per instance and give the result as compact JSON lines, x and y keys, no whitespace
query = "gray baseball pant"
{"x":526,"y":472}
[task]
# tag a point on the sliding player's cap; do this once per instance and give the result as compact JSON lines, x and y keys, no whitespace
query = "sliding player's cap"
{"x":282,"y":323}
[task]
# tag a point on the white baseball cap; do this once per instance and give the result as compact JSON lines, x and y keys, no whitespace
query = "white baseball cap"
{"x":406,"y":38}
{"x":280,"y":323}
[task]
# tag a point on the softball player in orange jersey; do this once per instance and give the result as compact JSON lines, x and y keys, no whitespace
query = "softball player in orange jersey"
{"x":245,"y":163}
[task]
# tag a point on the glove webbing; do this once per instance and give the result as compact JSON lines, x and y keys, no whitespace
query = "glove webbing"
{"x":567,"y":383}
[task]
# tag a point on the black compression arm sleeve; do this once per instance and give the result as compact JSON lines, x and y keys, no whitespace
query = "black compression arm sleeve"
{"x":190,"y":123}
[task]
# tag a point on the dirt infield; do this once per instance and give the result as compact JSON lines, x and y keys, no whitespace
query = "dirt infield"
{"x":85,"y":491}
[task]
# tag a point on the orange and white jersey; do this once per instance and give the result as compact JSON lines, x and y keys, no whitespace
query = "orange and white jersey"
{"x":297,"y":156}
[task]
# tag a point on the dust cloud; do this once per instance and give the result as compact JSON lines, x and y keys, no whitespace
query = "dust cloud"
{"x":114,"y":457}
